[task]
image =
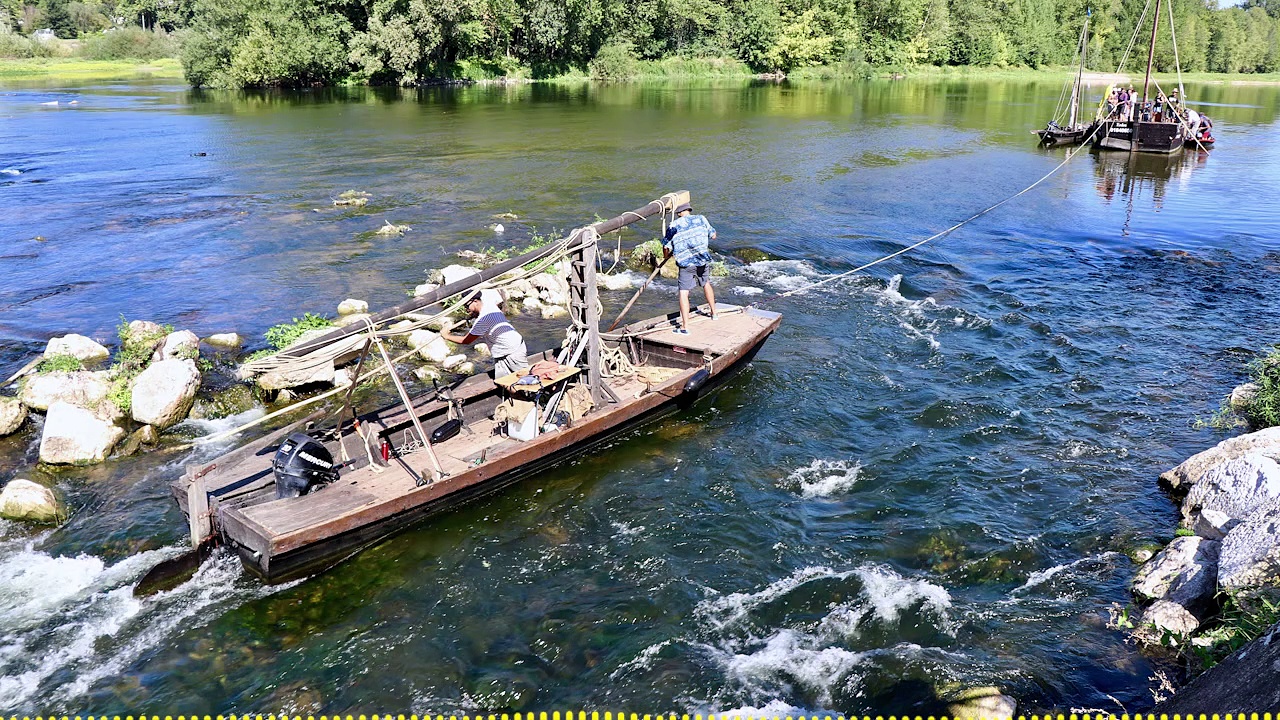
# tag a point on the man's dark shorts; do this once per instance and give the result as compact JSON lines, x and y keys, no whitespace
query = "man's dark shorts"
{"x":694,"y":276}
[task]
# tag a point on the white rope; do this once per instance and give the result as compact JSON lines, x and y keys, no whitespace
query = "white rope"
{"x":1177,"y":64}
{"x":909,"y":248}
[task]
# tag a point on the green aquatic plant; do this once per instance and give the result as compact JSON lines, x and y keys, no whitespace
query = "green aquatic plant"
{"x":1245,"y":615}
{"x":285,"y":334}
{"x":60,"y":363}
{"x":1263,"y":409}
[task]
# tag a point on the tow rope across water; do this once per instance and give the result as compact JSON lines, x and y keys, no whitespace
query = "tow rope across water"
{"x":1070,"y":156}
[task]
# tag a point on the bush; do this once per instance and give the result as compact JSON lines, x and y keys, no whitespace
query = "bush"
{"x":132,"y":43}
{"x":60,"y":363}
{"x":13,"y":46}
{"x":1263,"y":410}
{"x":285,"y":334}
{"x":615,"y":61}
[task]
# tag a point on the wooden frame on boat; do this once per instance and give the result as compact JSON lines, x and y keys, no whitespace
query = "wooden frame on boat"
{"x":377,"y":496}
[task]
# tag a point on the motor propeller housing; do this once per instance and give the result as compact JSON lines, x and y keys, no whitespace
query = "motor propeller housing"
{"x":302,"y":464}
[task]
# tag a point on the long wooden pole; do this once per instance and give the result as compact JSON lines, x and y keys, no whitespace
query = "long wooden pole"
{"x":1075,"y":91}
{"x":663,"y":204}
{"x":635,"y":297}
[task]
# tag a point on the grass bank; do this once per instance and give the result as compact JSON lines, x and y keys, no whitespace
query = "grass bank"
{"x":69,"y":69}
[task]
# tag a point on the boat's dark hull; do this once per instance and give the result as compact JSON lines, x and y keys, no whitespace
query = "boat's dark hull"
{"x":1055,"y":137}
{"x":1138,"y":136}
{"x":325,"y":552}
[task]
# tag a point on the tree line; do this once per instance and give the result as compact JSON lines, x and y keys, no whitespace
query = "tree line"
{"x":251,"y":43}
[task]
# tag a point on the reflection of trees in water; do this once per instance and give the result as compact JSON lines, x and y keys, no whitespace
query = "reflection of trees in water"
{"x":1134,"y":174}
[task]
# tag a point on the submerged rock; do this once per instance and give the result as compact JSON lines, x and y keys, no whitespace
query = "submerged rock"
{"x":1264,"y":442}
{"x":550,"y":312}
{"x":83,"y":388}
{"x":12,"y":414}
{"x":145,"y":435}
{"x":1235,"y":487}
{"x":182,"y":344}
{"x":229,"y":341}
{"x":752,"y":255}
{"x":25,"y":500}
{"x":352,"y":307}
{"x":235,"y":399}
{"x":1242,"y":396}
{"x":77,"y":346}
{"x":980,"y":702}
{"x":75,"y":436}
{"x":164,"y":392}
{"x":426,"y":374}
{"x":453,"y":361}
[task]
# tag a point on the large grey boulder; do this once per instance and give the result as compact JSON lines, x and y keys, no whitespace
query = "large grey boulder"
{"x":12,"y":414}
{"x":25,"y":500}
{"x":84,"y":388}
{"x":452,"y":274}
{"x":1165,"y":616}
{"x":1213,"y":524}
{"x":429,"y":345}
{"x":179,"y":345}
{"x":77,"y":346}
{"x":162,"y":395}
{"x":1184,"y":573}
{"x":1235,"y":487}
{"x":76,"y":436}
{"x":1251,"y":551}
{"x":1264,"y":442}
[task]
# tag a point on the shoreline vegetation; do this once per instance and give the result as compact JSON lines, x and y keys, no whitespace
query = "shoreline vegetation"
{"x":232,"y":44}
{"x":73,"y":69}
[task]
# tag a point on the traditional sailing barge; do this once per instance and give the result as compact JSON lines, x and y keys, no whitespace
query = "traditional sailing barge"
{"x":396,"y":472}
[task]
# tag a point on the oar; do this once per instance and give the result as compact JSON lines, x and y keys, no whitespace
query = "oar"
{"x":635,"y":297}
{"x":173,"y":572}
{"x":25,"y":369}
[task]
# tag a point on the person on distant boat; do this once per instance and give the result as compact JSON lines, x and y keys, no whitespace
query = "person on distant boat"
{"x":491,"y":325}
{"x":687,"y":241}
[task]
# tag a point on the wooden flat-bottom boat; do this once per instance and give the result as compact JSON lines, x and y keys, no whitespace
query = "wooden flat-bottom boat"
{"x":281,"y":539}
{"x":1055,"y":136}
{"x":1139,"y":136}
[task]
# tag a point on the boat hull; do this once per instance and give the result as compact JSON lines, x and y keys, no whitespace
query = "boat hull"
{"x":283,"y":557}
{"x":1137,"y":136}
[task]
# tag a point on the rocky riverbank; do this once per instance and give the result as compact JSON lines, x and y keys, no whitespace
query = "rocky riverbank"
{"x":1216,"y":583}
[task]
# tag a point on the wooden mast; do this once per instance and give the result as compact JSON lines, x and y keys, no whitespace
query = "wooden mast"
{"x":662,"y":204}
{"x":1151,"y":54}
{"x":1075,"y":91}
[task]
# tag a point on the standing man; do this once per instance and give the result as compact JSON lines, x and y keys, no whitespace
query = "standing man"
{"x":687,"y":241}
{"x":505,"y":344}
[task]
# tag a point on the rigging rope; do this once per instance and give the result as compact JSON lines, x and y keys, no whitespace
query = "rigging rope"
{"x":1070,"y":155}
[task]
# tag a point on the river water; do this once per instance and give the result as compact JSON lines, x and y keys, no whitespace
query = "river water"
{"x":932,"y":476}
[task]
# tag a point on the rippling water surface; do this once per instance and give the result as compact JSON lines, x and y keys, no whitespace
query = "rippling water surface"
{"x":932,"y":476}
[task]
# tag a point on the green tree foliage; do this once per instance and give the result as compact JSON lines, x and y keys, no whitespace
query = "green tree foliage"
{"x":298,"y":42}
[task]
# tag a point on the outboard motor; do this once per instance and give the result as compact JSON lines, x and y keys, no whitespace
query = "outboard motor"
{"x":302,"y":464}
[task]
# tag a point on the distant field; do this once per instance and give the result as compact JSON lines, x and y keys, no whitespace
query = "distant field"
{"x":55,"y":69}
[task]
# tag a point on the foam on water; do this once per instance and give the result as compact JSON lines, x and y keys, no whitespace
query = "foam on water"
{"x":728,"y":611}
{"x":748,"y":291}
{"x":783,"y":274}
{"x":788,"y":658}
{"x":10,"y":171}
{"x":204,"y":427}
{"x":1040,"y":577}
{"x":68,"y":622}
{"x":823,"y":478}
{"x":625,"y":280}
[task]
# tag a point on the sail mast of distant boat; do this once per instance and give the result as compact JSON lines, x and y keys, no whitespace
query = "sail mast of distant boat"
{"x":1151,"y":55}
{"x":1075,"y":88}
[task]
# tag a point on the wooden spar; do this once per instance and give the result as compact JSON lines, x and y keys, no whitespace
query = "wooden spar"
{"x":663,"y":204}
{"x":1151,"y":54}
{"x":595,"y":380}
{"x":1075,"y":89}
{"x":198,"y":511}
